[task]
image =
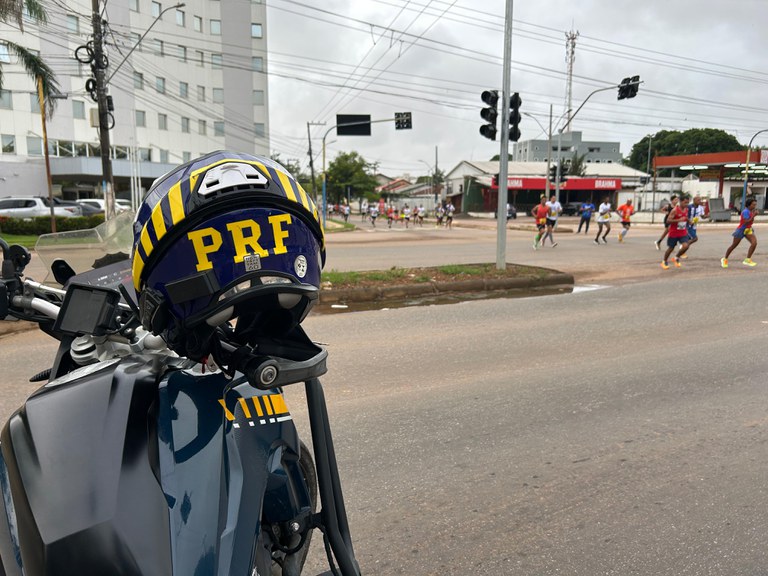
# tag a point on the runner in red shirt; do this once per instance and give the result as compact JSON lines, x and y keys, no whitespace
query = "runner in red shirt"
{"x":625,"y":211}
{"x":678,"y":232}
{"x":539,"y":214}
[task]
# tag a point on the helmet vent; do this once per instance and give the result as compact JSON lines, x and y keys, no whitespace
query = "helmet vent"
{"x":230,"y":176}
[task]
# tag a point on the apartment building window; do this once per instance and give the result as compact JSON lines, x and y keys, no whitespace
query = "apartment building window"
{"x":138,"y":80}
{"x":257,"y":63}
{"x":133,"y":5}
{"x":159,"y":47}
{"x":218,"y":95}
{"x":200,"y":57}
{"x":5,"y":55}
{"x":216,"y":61}
{"x":257,"y":31}
{"x":141,"y":118}
{"x":258,"y":97}
{"x":78,"y":109}
{"x":186,"y":156}
{"x":34,"y":103}
{"x":182,"y":52}
{"x":156,"y":9}
{"x":184,"y":89}
{"x":216,"y":27}
{"x":218,"y":128}
{"x":201,"y":93}
{"x":135,"y":38}
{"x":145,"y":154}
{"x":202,"y":127}
{"x":181,"y":18}
{"x":160,"y":85}
{"x":6,"y":101}
{"x":8,"y":143}
{"x":73,"y":24}
{"x":162,"y":121}
{"x":259,"y":130}
{"x":164,"y":156}
{"x":185,"y":124}
{"x":197,"y":23}
{"x":34,"y":146}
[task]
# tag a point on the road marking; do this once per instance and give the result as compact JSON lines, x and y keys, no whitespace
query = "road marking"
{"x":589,"y":288}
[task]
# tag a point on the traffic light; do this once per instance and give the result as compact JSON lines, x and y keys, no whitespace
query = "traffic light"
{"x":403,"y":121}
{"x":628,"y":87}
{"x":633,"y":86}
{"x":514,"y":117}
{"x":489,"y":114}
{"x":553,"y":173}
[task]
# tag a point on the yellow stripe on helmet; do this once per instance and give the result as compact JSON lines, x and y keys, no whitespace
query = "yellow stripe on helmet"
{"x":285,"y":180}
{"x":176,"y":202}
{"x":136,"y":269}
{"x":158,"y":221}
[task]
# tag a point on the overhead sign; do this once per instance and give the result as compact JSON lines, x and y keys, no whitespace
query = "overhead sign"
{"x":353,"y":124}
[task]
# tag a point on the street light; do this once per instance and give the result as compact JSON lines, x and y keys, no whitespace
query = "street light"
{"x":746,"y":167}
{"x":549,"y":144}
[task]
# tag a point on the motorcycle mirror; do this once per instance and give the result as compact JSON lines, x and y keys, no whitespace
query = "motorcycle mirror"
{"x":62,"y":271}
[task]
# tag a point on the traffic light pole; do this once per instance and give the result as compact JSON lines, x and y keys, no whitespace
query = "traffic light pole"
{"x":560,"y":137}
{"x":501,"y":208}
{"x":746,"y":168}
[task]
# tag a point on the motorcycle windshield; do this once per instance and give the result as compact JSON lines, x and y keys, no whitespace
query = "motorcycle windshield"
{"x":83,"y":250}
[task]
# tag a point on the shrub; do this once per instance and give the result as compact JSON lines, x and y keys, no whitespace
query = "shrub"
{"x":42,"y":224}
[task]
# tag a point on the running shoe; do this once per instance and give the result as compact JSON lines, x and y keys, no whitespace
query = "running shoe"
{"x":683,"y":257}
{"x":665,"y":266}
{"x":621,"y":239}
{"x":724,"y":262}
{"x":596,"y":241}
{"x":749,"y":262}
{"x":658,"y":245}
{"x":677,"y":263}
{"x":605,"y":240}
{"x":555,"y":244}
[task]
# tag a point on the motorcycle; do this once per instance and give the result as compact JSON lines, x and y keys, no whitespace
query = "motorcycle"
{"x":132,"y":460}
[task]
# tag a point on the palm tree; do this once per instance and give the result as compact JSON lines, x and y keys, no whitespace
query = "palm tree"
{"x":14,"y":10}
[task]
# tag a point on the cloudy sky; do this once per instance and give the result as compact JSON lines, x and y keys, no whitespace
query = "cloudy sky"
{"x":701,"y":64}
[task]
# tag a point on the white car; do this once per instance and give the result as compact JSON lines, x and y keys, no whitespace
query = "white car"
{"x":21,"y":207}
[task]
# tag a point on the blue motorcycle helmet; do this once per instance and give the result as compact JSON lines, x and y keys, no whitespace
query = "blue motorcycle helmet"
{"x":226,"y":237}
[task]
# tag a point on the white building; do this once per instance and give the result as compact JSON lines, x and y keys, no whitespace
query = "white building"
{"x":197,"y":82}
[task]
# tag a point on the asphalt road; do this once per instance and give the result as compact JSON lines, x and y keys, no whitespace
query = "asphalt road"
{"x":619,"y":430}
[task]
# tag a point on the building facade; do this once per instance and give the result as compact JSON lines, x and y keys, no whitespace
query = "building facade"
{"x":196,"y":82}
{"x":570,"y":143}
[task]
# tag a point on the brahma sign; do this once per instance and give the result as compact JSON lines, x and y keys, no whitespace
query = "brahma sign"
{"x":514,"y":183}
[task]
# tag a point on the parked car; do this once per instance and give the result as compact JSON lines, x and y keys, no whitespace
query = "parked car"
{"x":572,"y":208}
{"x":98,"y":205}
{"x":26,"y":207}
{"x":511,"y":212}
{"x":123,"y":203}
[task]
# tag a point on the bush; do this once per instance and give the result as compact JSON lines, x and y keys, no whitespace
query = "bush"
{"x":42,"y":224}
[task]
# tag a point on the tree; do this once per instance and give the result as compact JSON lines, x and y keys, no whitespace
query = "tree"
{"x":674,"y":143}
{"x":33,"y":64}
{"x":576,"y":166}
{"x":349,"y":169}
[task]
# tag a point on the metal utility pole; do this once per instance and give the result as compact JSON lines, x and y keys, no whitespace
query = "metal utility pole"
{"x":99,"y":72}
{"x":312,"y":157}
{"x":501,"y":208}
{"x":570,"y":58}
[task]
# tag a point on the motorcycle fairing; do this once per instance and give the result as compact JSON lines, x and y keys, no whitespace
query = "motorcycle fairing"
{"x":125,"y":471}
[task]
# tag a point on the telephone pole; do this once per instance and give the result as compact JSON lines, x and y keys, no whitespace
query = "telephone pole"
{"x":99,"y":69}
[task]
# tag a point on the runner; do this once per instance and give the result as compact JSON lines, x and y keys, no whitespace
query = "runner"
{"x":625,"y":211}
{"x":554,"y":211}
{"x":695,"y":213}
{"x":666,"y":209}
{"x":539,"y":214}
{"x":678,"y":232}
{"x":406,"y":215}
{"x":374,"y":208}
{"x":744,"y":231}
{"x":422,"y":213}
{"x":439,"y":214}
{"x":390,"y":215}
{"x":603,"y":220}
{"x":449,"y":210}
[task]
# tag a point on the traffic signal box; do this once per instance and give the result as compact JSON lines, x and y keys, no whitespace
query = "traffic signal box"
{"x":403,"y":121}
{"x":491,"y":114}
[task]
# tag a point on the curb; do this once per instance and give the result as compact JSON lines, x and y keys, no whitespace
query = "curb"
{"x":404,"y":291}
